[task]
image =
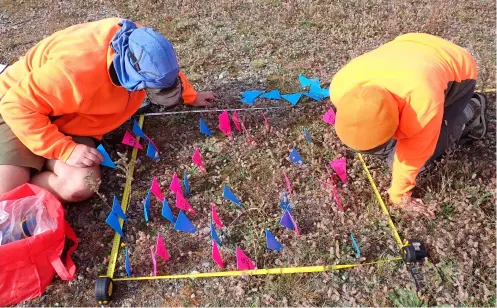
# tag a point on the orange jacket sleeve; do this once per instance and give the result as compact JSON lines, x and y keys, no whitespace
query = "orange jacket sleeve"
{"x":411,"y":154}
{"x":46,"y":91}
{"x":189,"y":94}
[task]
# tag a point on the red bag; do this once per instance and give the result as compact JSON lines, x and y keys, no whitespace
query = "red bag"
{"x":28,"y":266}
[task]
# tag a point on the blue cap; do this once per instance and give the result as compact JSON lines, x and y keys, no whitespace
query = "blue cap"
{"x":156,"y":58}
{"x":144,"y":58}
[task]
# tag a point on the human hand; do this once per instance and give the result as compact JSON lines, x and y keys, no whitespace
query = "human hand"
{"x":84,"y":156}
{"x":204,"y":99}
{"x":414,"y":207}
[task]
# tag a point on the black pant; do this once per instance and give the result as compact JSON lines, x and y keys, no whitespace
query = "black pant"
{"x":457,"y":98}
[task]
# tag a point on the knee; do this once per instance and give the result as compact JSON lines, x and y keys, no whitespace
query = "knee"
{"x":81,"y":183}
{"x":12,"y":177}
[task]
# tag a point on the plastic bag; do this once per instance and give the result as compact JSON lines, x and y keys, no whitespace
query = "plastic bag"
{"x":24,"y":217}
{"x":28,"y":266}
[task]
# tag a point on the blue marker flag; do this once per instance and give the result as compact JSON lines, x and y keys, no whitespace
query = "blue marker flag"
{"x":247,"y":101}
{"x":214,"y":234}
{"x":295,"y":157}
{"x":126,"y":263}
{"x":107,"y":160}
{"x":274,"y":94}
{"x":166,"y":212}
{"x":316,"y":90}
{"x":185,"y":182}
{"x":116,"y":208}
{"x":252,"y":94}
{"x":248,"y":97}
{"x":272,"y":242}
{"x":204,"y":129}
{"x":306,"y":82}
{"x":284,"y":202}
{"x":228,"y":194}
{"x":314,"y":96}
{"x":146,"y":207}
{"x":325,"y":92}
{"x":113,"y":221}
{"x":152,"y":151}
{"x":138,"y":131}
{"x":184,"y":224}
{"x":292,"y":98}
{"x":287,"y":221}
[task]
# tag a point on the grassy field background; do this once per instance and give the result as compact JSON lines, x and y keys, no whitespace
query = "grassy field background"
{"x":232,"y":46}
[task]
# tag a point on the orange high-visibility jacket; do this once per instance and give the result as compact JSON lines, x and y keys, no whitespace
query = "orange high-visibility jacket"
{"x":67,"y":75}
{"x":416,"y":68}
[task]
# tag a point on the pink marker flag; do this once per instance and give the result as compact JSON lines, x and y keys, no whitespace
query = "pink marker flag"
{"x":214,"y":216}
{"x":216,"y":256}
{"x":197,"y":159}
{"x":154,"y":261}
{"x":130,"y":140}
{"x":340,"y":167}
{"x":288,"y":185}
{"x":160,"y":248}
{"x":337,"y":198}
{"x":242,"y":261}
{"x":224,"y":123}
{"x":236,"y":121}
{"x":329,"y":117}
{"x":182,"y":203}
{"x":155,"y":189}
{"x":175,"y":185}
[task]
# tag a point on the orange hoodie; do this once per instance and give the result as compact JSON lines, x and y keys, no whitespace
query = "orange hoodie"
{"x":416,"y":69}
{"x":67,"y":75}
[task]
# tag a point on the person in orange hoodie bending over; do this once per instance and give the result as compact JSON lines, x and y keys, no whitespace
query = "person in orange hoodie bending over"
{"x":73,"y":87}
{"x":408,"y":101}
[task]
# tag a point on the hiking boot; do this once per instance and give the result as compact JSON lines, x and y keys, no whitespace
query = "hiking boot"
{"x":477,"y":126}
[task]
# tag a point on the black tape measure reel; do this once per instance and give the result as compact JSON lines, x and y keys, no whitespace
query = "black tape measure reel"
{"x":414,"y":251}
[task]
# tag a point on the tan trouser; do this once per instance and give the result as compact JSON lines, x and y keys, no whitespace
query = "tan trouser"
{"x":13,"y":152}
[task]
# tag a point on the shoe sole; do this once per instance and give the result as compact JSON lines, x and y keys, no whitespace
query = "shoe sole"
{"x":482,"y":101}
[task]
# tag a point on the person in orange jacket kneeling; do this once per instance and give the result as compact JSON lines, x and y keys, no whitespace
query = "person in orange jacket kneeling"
{"x":408,"y":101}
{"x":73,"y":87}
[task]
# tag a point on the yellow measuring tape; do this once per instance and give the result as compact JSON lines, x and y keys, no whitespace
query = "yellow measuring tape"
{"x":270,"y":271}
{"x":124,"y":205}
{"x":382,"y":204}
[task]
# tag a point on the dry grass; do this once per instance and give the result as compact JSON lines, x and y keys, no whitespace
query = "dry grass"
{"x":231,"y":46}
